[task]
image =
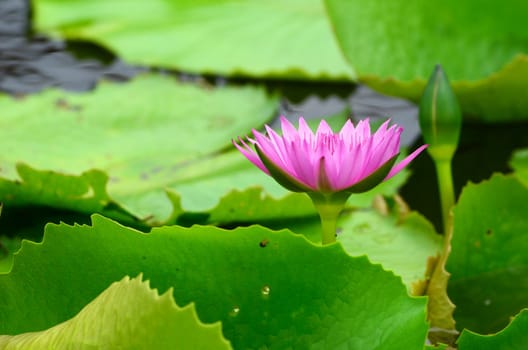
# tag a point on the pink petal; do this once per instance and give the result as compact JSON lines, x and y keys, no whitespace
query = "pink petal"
{"x":382,"y":130}
{"x":362,"y":131}
{"x":323,"y":181}
{"x":398,"y":167}
{"x":268,"y":147}
{"x":333,"y":163}
{"x":370,"y":160}
{"x":288,"y":130}
{"x":250,"y":154}
{"x":347,"y":129}
{"x":304,"y":130}
{"x":324,"y":128}
{"x":387,"y":147}
{"x":348,"y":166}
{"x":300,"y":161}
{"x":278,"y":144}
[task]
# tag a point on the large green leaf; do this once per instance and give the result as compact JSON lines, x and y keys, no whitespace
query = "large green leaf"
{"x":8,"y":245}
{"x":402,"y":245}
{"x":127,"y":315}
{"x":142,"y":137}
{"x":28,"y":222}
{"x":145,"y":151}
{"x":269,"y":289}
{"x":513,"y":337}
{"x":27,"y":186}
{"x":253,"y":38}
{"x":482,"y":45}
{"x":488,"y":262}
{"x":519,"y":163}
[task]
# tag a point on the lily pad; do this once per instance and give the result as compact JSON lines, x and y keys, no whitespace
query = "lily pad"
{"x":513,"y":337}
{"x":483,"y":47}
{"x":272,"y":289}
{"x":488,"y":261}
{"x":519,"y":163}
{"x":253,"y":38}
{"x":8,"y":246}
{"x":149,"y":161}
{"x":401,"y":245}
{"x":117,"y":149}
{"x":130,"y":315}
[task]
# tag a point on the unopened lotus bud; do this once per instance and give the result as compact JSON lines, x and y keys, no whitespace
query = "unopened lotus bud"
{"x":440,"y":117}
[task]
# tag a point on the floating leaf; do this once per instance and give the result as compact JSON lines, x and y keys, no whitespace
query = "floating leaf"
{"x":85,"y":192}
{"x":8,"y":246}
{"x":488,"y":261}
{"x":148,"y":161}
{"x":253,"y":38}
{"x":401,"y":245}
{"x":513,"y":337}
{"x":269,"y":289}
{"x":519,"y":163}
{"x":482,"y":47}
{"x":240,"y":206}
{"x":127,"y":315}
{"x":28,"y":222}
{"x":142,"y":137}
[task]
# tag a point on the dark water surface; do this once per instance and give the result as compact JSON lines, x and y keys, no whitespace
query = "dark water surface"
{"x":30,"y":62}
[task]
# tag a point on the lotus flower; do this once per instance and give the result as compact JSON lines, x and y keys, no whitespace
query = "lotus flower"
{"x":328,"y":166}
{"x":353,"y":160}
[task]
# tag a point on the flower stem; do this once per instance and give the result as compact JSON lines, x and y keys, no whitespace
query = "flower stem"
{"x":329,"y":207}
{"x":329,"y":225}
{"x":445,"y":187}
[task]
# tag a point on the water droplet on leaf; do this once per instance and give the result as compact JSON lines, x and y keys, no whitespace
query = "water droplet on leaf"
{"x":234,"y":312}
{"x":265,"y":290}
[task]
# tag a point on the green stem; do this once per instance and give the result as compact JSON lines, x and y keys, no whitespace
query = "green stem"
{"x":445,"y":187}
{"x":329,"y":226}
{"x":329,"y":207}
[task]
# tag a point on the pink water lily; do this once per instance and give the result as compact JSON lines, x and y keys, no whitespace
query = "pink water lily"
{"x":352,"y":160}
{"x":328,"y":166}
